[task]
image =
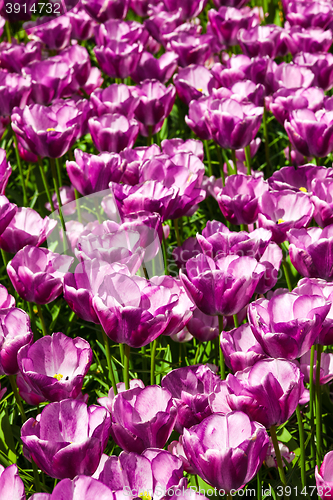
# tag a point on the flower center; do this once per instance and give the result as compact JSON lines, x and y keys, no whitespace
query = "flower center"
{"x":280,"y":221}
{"x":303,"y":189}
{"x":50,"y":130}
{"x":58,"y":376}
{"x":145,"y":495}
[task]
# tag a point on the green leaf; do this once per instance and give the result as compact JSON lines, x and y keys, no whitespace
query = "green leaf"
{"x":7,"y":445}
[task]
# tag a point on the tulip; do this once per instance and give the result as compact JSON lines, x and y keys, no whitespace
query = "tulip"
{"x":26,"y":228}
{"x":160,"y":69}
{"x":14,"y":56}
{"x":227,"y":21}
{"x":289,"y":76}
{"x":14,"y":91}
{"x":190,"y":8}
{"x":67,"y":438}
{"x":142,"y":418}
{"x":310,"y":40}
{"x":321,"y":65}
{"x":286,"y":455}
{"x":324,"y":479}
{"x":322,"y":200}
{"x":268,"y":392}
{"x":116,"y":98}
{"x":101,"y":11}
{"x":55,"y":34}
{"x":113,"y":132}
{"x":196,"y":118}
{"x":284,"y":210}
{"x":233,"y":124}
{"x":222,"y":285}
{"x":7,"y":301}
{"x":107,"y":401}
{"x":287,"y":325}
{"x":153,"y":472}
{"x":203,"y":327}
{"x":37,"y":274}
{"x":326,"y":367}
{"x":190,"y":388}
{"x":240,"y":348}
{"x":11,"y":485}
{"x":118,"y":59}
{"x":7,"y":212}
{"x":80,"y":488}
{"x":15,"y":333}
{"x":297,"y":180}
{"x":82,"y":24}
{"x":121,"y":31}
{"x":286,"y":100}
{"x":191,"y":49}
{"x":173,"y":146}
{"x":55,"y":366}
{"x":48,"y":131}
{"x":193,"y":82}
{"x":267,"y":40}
{"x":226,"y":451}
{"x":309,"y":14}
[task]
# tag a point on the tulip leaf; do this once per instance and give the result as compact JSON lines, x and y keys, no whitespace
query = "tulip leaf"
{"x":7,"y":445}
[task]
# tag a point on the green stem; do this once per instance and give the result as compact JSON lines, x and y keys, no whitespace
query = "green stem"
{"x":209,"y":159}
{"x":153,"y":347}
{"x":302,"y":445}
{"x":12,"y":380}
{"x":150,"y":135}
{"x":42,"y":320}
{"x":78,"y":208}
{"x":222,"y":364}
{"x":36,"y":476}
{"x":46,"y":186}
{"x":312,"y":443}
{"x":58,"y":171}
{"x":32,"y":318}
{"x":278,"y":455}
{"x":266,"y":140}
{"x":259,"y":495}
{"x":19,"y":164}
{"x":236,"y":322}
{"x":121,"y":350}
{"x":234,"y":160}
{"x":56,"y":187}
{"x":8,"y":33}
{"x":248,"y":159}
{"x":318,"y":405}
{"x":109,"y":362}
{"x":126,"y":365}
{"x":219,"y":157}
{"x":197,"y":353}
{"x":286,"y":274}
{"x":177,"y":232}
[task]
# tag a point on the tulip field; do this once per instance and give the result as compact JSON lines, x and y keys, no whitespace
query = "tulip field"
{"x":166,"y":238}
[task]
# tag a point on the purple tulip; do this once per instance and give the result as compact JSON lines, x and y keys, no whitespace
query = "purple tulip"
{"x":226,"y":451}
{"x":326,"y":367}
{"x":267,"y":40}
{"x":309,"y":14}
{"x":286,"y":100}
{"x":239,"y":199}
{"x":190,"y":388}
{"x":55,"y":34}
{"x":113,"y":132}
{"x":67,"y":438}
{"x":155,"y":104}
{"x":309,"y":40}
{"x":5,"y":171}
{"x":324,"y":477}
{"x":238,"y":4}
{"x":142,"y":418}
{"x":107,"y":401}
{"x":7,"y":212}
{"x":133,"y":311}
{"x":286,"y":455}
{"x":82,"y":24}
{"x":233,"y":124}
{"x":11,"y":485}
{"x":222,"y":285}
{"x":37,"y":274}
{"x":160,"y":69}
{"x":176,"y":448}
{"x":121,"y":31}
{"x":92,"y":173}
{"x":289,"y":76}
{"x":161,"y":23}
{"x":116,"y":98}
{"x":311,"y":133}
{"x":240,"y":348}
{"x":67,"y":195}
{"x":193,"y":81}
{"x":48,"y":131}
{"x":14,"y":56}
{"x":287,"y":325}
{"x":268,"y":392}
{"x":27,"y":393}
{"x":155,"y":471}
{"x":101,"y":11}
{"x":298,"y":180}
{"x":191,"y":49}
{"x":14,"y":91}
{"x":7,"y":301}
{"x":203,"y":327}
{"x":80,"y":488}
{"x":172,"y":147}
{"x":284,"y":210}
{"x":15,"y":332}
{"x":196,"y":117}
{"x":322,"y":200}
{"x":227,"y":21}
{"x":118,"y":59}
{"x":55,"y":366}
{"x":190,"y":8}
{"x":321,"y":64}
{"x":310,"y":251}
{"x":26,"y":228}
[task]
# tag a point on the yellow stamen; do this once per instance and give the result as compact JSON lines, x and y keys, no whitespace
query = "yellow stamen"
{"x":200,"y":90}
{"x":280,"y":221}
{"x":50,"y":130}
{"x":303,"y":189}
{"x":58,"y":376}
{"x":145,"y":495}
